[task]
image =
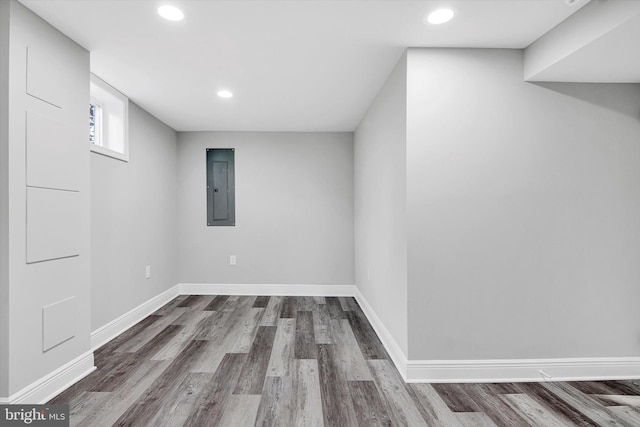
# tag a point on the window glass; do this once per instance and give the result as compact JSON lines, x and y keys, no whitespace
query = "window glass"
{"x":108,"y":120}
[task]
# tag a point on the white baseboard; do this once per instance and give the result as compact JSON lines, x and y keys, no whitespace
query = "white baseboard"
{"x":106,"y":333}
{"x":55,"y":382}
{"x":266,"y":290}
{"x":117,"y":326}
{"x":413,"y":371}
{"x":522,"y":370}
{"x":492,"y":371}
{"x":390,"y":344}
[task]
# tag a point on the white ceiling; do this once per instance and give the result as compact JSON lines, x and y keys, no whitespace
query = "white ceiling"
{"x":294,"y":65}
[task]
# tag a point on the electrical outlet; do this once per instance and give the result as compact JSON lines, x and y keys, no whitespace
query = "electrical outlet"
{"x":232,"y":260}
{"x":147,"y":274}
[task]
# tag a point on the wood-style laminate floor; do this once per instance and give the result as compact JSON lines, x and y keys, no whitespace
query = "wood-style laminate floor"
{"x":303,"y":361}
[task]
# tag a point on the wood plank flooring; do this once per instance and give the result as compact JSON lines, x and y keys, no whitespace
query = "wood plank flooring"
{"x":303,"y":361}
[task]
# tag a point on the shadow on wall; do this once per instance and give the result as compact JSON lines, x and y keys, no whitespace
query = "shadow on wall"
{"x":619,"y":97}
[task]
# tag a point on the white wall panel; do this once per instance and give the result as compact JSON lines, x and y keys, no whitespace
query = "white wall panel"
{"x":58,"y":322}
{"x":45,"y":70}
{"x":53,"y":224}
{"x":54,"y":155}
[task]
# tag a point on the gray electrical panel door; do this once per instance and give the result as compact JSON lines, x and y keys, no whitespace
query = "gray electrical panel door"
{"x":221,"y":194}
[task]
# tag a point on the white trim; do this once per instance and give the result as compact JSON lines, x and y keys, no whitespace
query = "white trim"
{"x":103,"y":151}
{"x":412,"y":371}
{"x":266,"y":290}
{"x":109,"y":94}
{"x":504,"y":370}
{"x":523,"y":370}
{"x":55,"y":382}
{"x":390,"y":344}
{"x":106,"y":333}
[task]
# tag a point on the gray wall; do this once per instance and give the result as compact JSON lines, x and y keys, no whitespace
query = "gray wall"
{"x":134,"y":220}
{"x":4,"y":197}
{"x":294,"y":209}
{"x":61,"y":78}
{"x":523,"y":205}
{"x":380,"y":204}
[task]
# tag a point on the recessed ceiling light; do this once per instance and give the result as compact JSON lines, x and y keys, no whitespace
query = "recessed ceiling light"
{"x":170,"y":13}
{"x":440,"y":16}
{"x":225,"y":93}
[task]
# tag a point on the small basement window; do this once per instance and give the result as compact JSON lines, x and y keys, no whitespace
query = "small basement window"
{"x":221,"y":193}
{"x":108,"y":120}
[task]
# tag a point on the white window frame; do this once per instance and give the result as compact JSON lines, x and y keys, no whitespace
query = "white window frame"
{"x":108,"y":94}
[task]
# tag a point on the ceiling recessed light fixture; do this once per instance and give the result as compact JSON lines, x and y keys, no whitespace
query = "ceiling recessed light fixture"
{"x":440,"y":16}
{"x":223,"y":93}
{"x":170,"y":13}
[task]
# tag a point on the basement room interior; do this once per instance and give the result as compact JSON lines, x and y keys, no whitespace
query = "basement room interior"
{"x":320,"y":212}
